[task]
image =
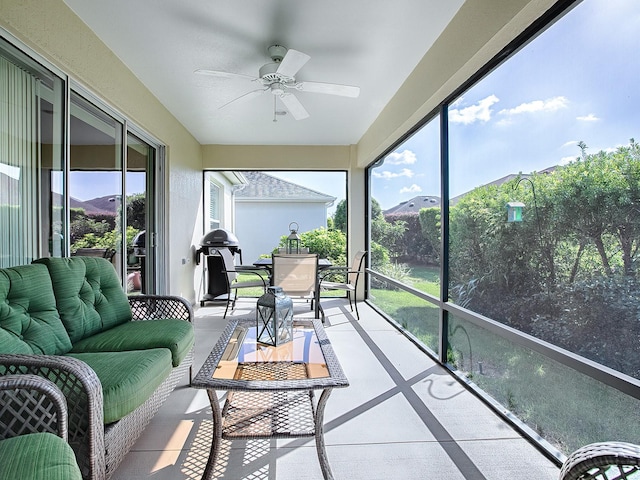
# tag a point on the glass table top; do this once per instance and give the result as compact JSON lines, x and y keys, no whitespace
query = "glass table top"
{"x":247,"y":359}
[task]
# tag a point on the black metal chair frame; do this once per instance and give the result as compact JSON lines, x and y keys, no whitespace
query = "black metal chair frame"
{"x":352,"y":275}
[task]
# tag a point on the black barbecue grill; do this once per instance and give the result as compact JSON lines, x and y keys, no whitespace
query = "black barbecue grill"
{"x":219,"y":238}
{"x":214,"y":277}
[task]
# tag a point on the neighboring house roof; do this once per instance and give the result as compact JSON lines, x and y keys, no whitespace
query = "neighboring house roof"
{"x":414,"y":205}
{"x":505,"y":179}
{"x":265,"y":187}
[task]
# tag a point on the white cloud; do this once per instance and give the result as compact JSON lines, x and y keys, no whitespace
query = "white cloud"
{"x":387,"y":175}
{"x":588,"y":118}
{"x":405,"y":157}
{"x":480,"y":111}
{"x":412,"y":189}
{"x":570,"y":143}
{"x":549,"y":105}
{"x":457,"y":101}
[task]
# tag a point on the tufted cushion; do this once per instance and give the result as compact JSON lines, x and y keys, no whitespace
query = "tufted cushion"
{"x":29,"y":321}
{"x":88,"y":293}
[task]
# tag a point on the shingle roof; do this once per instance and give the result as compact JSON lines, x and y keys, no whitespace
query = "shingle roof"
{"x":267,"y":187}
{"x":414,"y":205}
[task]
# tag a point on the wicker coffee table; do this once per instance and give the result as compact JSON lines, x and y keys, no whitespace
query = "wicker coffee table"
{"x":270,"y":389}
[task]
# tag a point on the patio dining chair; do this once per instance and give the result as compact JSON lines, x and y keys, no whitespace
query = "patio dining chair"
{"x":350,"y":277}
{"x":231,"y":272}
{"x":297,"y":274}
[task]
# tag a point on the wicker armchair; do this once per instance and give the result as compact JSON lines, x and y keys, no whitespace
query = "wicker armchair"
{"x":603,"y":461}
{"x":100,"y":448}
{"x":30,"y":404}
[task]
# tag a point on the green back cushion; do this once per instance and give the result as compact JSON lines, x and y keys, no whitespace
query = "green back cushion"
{"x":38,"y":456}
{"x":29,"y":321}
{"x":176,"y":335}
{"x":88,"y":293}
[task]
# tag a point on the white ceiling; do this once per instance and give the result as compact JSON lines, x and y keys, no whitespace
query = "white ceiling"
{"x":371,"y":44}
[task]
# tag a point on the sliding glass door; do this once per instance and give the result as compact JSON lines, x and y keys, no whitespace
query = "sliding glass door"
{"x":31,"y":144}
{"x":140,"y":215}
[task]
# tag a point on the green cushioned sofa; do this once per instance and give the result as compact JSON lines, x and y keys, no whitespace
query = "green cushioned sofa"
{"x":115,"y":358}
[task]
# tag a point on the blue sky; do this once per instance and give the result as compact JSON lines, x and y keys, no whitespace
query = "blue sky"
{"x":89,"y":185}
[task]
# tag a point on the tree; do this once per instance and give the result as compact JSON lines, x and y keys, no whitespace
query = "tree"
{"x":384,"y":233}
{"x":340,"y":216}
{"x":597,"y":201}
{"x":430,"y":226}
{"x":136,"y":211}
{"x":329,"y":244}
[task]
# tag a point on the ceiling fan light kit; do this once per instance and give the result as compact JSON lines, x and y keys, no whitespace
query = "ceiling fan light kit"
{"x":278,"y":78}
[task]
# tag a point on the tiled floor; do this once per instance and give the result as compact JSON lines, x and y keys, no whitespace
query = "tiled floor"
{"x":402,"y":417}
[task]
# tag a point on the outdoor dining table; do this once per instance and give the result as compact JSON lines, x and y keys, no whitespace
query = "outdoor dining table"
{"x":266,"y":263}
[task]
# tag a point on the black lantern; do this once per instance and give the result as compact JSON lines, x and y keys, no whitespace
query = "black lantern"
{"x":293,"y":240}
{"x":274,"y":317}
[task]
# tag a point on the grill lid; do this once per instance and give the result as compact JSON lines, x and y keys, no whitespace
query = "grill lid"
{"x":139,"y":239}
{"x":219,"y":238}
{"x":139,"y":248}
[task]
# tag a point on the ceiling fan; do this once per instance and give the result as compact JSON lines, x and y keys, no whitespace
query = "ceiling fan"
{"x":278,"y":78}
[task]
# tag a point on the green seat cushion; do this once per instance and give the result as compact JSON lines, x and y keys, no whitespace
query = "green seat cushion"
{"x":128,"y":378}
{"x":38,"y":456}
{"x":176,"y":335}
{"x":88,"y":293}
{"x":29,"y":321}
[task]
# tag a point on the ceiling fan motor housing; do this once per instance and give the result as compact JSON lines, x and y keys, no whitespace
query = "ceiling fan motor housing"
{"x":269,"y":74}
{"x":277,"y":52}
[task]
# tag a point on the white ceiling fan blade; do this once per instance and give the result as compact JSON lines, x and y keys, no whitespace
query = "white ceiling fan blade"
{"x":245,"y":97}
{"x":329,"y":88}
{"x":292,"y":62}
{"x":294,"y":106}
{"x":218,"y":73}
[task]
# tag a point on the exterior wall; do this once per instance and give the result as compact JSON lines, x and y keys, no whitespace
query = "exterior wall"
{"x":259,"y":225}
{"x":54,"y":32}
{"x":227,"y":213}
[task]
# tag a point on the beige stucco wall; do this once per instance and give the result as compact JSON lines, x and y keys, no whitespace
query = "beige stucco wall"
{"x":53,"y":31}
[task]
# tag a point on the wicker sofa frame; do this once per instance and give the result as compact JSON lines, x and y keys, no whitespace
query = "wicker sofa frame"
{"x":100,"y":448}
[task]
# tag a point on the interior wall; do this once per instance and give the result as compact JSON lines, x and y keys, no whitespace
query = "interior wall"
{"x":276,"y":157}
{"x":54,"y":32}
